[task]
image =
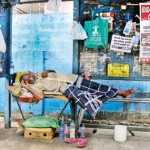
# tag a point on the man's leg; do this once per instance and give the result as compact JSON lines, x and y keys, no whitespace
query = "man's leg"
{"x":126,"y":94}
{"x":92,"y":87}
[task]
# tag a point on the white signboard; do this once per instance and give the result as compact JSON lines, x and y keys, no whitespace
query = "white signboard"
{"x":121,"y":43}
{"x":145,"y":32}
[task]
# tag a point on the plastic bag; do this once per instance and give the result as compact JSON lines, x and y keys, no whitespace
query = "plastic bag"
{"x":41,"y":122}
{"x":78,"y":32}
{"x":2,"y":43}
{"x":97,"y":32}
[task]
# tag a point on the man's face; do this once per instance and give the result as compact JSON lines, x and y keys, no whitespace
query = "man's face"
{"x":30,"y":78}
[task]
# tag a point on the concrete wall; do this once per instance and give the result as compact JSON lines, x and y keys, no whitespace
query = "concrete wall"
{"x":44,"y":42}
{"x":140,"y":86}
{"x":95,"y":61}
{"x":5,"y":17}
{"x":2,"y":94}
{"x":41,"y":42}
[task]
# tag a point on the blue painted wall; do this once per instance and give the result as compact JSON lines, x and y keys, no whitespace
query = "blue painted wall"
{"x":44,"y":42}
{"x":5,"y":17}
{"x":140,"y":86}
{"x":2,"y":94}
{"x":41,"y":42}
{"x":143,"y":85}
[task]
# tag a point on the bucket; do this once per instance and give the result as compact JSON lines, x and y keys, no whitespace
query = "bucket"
{"x":120,"y":133}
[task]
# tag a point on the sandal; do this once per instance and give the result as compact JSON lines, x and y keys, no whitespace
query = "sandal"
{"x":71,"y":140}
{"x":82,"y":142}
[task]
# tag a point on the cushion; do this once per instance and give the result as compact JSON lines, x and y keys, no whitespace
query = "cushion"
{"x":14,"y":90}
{"x":18,"y":75}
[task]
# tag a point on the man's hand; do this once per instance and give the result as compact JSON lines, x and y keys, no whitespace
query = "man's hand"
{"x":25,"y":85}
{"x":86,"y":76}
{"x":37,"y":96}
{"x":44,"y":74}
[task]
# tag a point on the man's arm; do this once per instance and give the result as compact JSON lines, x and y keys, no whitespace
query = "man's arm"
{"x":44,"y":74}
{"x":38,"y":96}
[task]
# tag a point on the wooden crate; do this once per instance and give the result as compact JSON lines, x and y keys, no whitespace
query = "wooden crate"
{"x":39,"y":133}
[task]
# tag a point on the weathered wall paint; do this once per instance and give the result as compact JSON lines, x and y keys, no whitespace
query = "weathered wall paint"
{"x":31,"y":55}
{"x":44,"y":42}
{"x":40,"y":42}
{"x":105,"y":55}
{"x":142,"y":91}
{"x":97,"y":63}
{"x":5,"y":19}
{"x":2,"y":94}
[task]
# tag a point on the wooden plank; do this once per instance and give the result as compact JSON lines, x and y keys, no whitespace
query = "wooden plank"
{"x":61,"y":97}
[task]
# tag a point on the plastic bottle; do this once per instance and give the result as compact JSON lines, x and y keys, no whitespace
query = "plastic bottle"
{"x":82,"y":131}
{"x":127,"y":28}
{"x":61,"y":131}
{"x":66,"y":132}
{"x":72,"y":129}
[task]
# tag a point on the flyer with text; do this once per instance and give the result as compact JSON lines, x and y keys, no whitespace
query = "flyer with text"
{"x":144,"y":32}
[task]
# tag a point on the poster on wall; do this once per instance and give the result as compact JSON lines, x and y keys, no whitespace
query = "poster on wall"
{"x":145,"y":70}
{"x":121,"y":43}
{"x":144,"y":32}
{"x":118,"y":70}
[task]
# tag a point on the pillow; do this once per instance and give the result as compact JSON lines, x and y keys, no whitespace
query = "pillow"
{"x":14,"y":90}
{"x":18,"y":75}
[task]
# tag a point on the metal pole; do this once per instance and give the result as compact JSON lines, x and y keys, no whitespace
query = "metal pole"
{"x":132,"y":100}
{"x":7,"y":106}
{"x":7,"y":67}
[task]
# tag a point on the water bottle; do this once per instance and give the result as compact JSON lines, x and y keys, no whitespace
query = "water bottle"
{"x":66,"y":132}
{"x":61,"y":131}
{"x":127,"y":28}
{"x":82,"y":131}
{"x":72,"y":129}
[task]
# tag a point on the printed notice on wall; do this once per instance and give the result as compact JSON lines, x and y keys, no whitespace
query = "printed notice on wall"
{"x":145,"y":32}
{"x":121,"y":43}
{"x":145,"y":70}
{"x":118,"y":70}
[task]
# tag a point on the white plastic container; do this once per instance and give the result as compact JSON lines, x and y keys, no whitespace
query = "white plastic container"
{"x":72,"y":129}
{"x":127,"y":28}
{"x":120,"y":133}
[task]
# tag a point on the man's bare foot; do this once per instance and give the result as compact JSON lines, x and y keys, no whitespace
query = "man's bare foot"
{"x":126,"y":94}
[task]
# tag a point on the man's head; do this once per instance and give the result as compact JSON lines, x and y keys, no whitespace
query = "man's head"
{"x":29,"y":77}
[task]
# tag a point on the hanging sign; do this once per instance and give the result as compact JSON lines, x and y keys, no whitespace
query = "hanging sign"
{"x":145,"y":32}
{"x":2,"y":43}
{"x":121,"y":43}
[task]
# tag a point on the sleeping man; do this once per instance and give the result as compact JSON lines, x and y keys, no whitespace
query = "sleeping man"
{"x":87,"y":94}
